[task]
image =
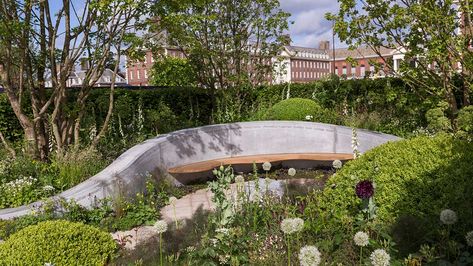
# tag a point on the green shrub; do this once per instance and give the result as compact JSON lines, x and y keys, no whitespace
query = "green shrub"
{"x":58,"y":242}
{"x":298,"y":109}
{"x":465,"y":119}
{"x":437,"y":121}
{"x":414,"y":178}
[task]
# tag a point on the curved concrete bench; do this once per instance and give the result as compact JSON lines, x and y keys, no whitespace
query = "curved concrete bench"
{"x":127,"y":174}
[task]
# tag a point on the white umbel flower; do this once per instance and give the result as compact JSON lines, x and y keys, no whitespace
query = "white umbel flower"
{"x":239,"y":179}
{"x":448,"y":217}
{"x":380,"y":257}
{"x":290,"y":226}
{"x":291,"y":172}
{"x":337,"y":164}
{"x":309,"y":256}
{"x":361,"y":239}
{"x":172,"y":200}
{"x":469,"y":238}
{"x":309,"y":117}
{"x":266,"y":166}
{"x":161,"y":226}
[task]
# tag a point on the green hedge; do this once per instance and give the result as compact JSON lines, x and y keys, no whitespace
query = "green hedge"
{"x":415,"y":180}
{"x":58,"y":242}
{"x":387,"y":105}
{"x":296,"y":109}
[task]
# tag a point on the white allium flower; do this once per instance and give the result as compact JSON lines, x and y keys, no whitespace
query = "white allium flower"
{"x":337,"y":164}
{"x":239,"y":179}
{"x":469,"y":238}
{"x":266,"y":166}
{"x":361,"y":239}
{"x":291,"y":172}
{"x":309,"y":117}
{"x":309,"y":256}
{"x":161,"y":226}
{"x":448,"y":217}
{"x":380,"y":257}
{"x":290,"y":226}
{"x":172,"y":200}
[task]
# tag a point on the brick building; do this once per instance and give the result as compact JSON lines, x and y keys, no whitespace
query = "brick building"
{"x":364,"y":62}
{"x":302,"y":64}
{"x":137,"y":73}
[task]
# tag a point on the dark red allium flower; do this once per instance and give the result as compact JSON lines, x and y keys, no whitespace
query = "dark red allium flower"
{"x":364,"y":189}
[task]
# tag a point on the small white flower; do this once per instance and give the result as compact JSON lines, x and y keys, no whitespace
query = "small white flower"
{"x":380,"y":257}
{"x":161,"y":226}
{"x":266,"y":166}
{"x":469,"y":238}
{"x":337,"y":164}
{"x":49,"y":264}
{"x":448,"y":217}
{"x":224,"y":231}
{"x":361,"y":239}
{"x":309,"y":256}
{"x":190,"y":249}
{"x":239,"y":179}
{"x":213,"y":241}
{"x":309,"y":117}
{"x":48,"y":188}
{"x":290,"y":226}
{"x":291,"y":172}
{"x":172,"y":200}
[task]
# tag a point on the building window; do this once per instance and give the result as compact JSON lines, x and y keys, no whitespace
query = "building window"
{"x":138,"y":74}
{"x":146,"y":74}
{"x":131,"y":74}
{"x":344,"y":70}
{"x":353,"y":71}
{"x":336,"y":70}
{"x":362,"y":70}
{"x":372,"y":69}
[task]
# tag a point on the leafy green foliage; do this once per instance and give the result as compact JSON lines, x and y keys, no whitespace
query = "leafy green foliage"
{"x":297,"y":109}
{"x":172,"y":71}
{"x":425,"y":32}
{"x":437,"y":121}
{"x":414,"y":178}
{"x":60,"y":243}
{"x":24,"y":180}
{"x":219,"y":38}
{"x":465,"y":119}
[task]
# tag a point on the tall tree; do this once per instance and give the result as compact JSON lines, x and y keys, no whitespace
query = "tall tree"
{"x":435,"y":36}
{"x":36,"y":45}
{"x":230,"y":42}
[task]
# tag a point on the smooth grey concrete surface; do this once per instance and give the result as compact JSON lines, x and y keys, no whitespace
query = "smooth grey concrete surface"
{"x":127,"y":174}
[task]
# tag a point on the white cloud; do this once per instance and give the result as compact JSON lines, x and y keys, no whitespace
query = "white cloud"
{"x":310,"y":26}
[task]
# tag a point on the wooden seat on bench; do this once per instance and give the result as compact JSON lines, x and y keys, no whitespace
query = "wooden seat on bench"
{"x":258,"y":159}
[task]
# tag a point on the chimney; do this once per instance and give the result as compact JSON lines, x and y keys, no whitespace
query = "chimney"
{"x":324,"y":45}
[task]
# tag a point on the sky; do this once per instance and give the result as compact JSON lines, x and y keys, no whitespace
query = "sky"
{"x":310,"y":26}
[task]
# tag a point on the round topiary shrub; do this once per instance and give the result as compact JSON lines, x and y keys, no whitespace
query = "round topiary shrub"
{"x":58,"y":242}
{"x":298,"y":109}
{"x":414,"y":181}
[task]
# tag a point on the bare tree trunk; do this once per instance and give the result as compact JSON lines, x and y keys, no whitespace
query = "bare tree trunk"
{"x":7,"y":146}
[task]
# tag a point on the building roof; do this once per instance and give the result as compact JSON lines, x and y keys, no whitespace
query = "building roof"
{"x":307,"y":52}
{"x":361,"y":52}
